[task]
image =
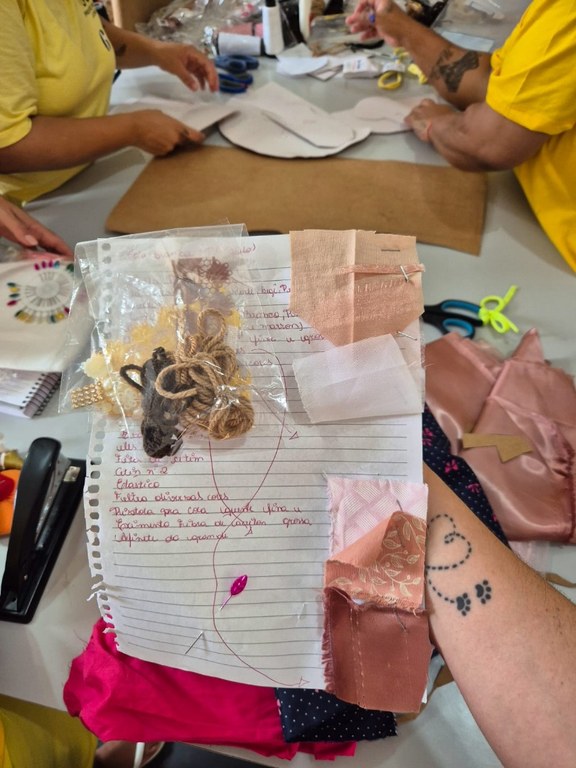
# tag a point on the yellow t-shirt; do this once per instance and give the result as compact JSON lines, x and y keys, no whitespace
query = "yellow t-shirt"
{"x":33,"y":736}
{"x":55,"y":61}
{"x":533,"y":83}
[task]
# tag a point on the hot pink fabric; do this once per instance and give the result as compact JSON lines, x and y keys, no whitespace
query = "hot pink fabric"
{"x":469,"y":390}
{"x":120,"y":697}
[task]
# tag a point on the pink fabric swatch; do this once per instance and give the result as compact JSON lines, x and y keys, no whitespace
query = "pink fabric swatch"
{"x":120,"y":697}
{"x":376,"y":640}
{"x":352,"y":285}
{"x":358,"y":504}
{"x":468,"y":390}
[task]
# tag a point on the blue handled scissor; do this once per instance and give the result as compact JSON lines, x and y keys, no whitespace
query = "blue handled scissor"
{"x":236,"y":64}
{"x":237,"y":83}
{"x":443,"y":316}
{"x":235,"y":78}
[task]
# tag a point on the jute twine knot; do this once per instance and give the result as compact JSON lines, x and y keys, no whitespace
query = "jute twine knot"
{"x":205,"y":378}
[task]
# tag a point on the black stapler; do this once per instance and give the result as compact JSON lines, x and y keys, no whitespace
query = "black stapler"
{"x":49,"y":493}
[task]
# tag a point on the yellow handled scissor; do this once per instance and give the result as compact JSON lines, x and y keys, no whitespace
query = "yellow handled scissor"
{"x":393,"y":71}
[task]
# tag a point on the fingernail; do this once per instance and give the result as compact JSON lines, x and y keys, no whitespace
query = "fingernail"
{"x":30,"y":240}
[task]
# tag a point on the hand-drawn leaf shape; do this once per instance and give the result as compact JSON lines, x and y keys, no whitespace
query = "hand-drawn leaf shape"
{"x":389,"y":544}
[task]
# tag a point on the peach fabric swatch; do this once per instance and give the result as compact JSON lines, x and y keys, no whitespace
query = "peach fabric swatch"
{"x":350,"y":285}
{"x":533,"y":495}
{"x":385,"y":567}
{"x":376,"y":643}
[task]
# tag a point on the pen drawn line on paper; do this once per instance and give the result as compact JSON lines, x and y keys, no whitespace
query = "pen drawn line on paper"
{"x":237,"y":517}
{"x":301,"y":683}
{"x":172,"y":638}
{"x":144,"y":616}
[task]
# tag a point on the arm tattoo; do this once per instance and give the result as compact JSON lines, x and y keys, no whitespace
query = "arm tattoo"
{"x":458,"y":555}
{"x":121,"y":50}
{"x":452,"y":72}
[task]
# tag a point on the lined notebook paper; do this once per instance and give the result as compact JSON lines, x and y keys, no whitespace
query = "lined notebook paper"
{"x":168,"y":537}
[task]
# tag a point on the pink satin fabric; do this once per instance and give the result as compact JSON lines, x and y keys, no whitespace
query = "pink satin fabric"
{"x":469,"y":390}
{"x":120,"y":697}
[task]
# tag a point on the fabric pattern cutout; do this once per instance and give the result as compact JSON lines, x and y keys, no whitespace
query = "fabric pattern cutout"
{"x":309,"y":715}
{"x":351,"y":285}
{"x":456,"y":473}
{"x":376,"y":647}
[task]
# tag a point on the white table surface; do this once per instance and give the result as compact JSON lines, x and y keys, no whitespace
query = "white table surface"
{"x":35,"y":658}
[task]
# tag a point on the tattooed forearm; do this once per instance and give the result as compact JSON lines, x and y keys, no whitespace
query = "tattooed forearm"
{"x":451,"y":71}
{"x":458,"y":553}
{"x":121,"y":50}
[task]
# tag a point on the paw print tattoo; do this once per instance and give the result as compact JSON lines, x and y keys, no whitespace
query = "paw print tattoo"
{"x":458,"y":552}
{"x":484,"y":591}
{"x":463,"y":603}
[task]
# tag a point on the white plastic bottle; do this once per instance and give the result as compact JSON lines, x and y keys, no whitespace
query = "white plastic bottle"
{"x":304,"y":11}
{"x":272,"y":28}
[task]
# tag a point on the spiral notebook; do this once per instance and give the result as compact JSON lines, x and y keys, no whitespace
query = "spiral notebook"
{"x":26,"y":393}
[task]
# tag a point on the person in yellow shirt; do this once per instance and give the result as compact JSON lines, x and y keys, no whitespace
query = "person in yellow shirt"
{"x":16,"y":225}
{"x":515,"y":108}
{"x":34,"y":736}
{"x":57,"y":59}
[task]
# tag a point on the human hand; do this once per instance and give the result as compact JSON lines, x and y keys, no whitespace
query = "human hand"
{"x":376,"y":18}
{"x":186,"y":62}
{"x":420,"y":118}
{"x":160,"y":134}
{"x":19,"y":227}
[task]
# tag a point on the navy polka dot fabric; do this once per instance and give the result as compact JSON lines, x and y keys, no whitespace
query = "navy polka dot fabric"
{"x":456,"y":473}
{"x":311,"y":715}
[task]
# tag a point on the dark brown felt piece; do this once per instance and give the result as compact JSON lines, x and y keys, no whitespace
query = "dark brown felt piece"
{"x":207,"y":186}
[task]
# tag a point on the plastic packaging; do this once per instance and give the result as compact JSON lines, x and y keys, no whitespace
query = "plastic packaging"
{"x":173,"y":352}
{"x":272,"y":28}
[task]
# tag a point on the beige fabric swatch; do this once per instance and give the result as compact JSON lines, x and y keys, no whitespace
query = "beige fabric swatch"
{"x":331,"y":291}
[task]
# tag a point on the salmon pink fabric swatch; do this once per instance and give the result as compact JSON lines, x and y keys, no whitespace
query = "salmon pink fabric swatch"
{"x":376,"y":640}
{"x":351,"y":285}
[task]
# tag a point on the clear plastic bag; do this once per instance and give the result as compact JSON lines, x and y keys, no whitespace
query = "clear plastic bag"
{"x":196,"y":22}
{"x":174,"y":353}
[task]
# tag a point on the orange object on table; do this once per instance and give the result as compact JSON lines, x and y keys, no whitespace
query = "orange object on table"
{"x":7,"y":503}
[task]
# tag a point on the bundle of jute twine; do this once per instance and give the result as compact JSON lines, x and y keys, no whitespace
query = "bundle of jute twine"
{"x":205,"y":380}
